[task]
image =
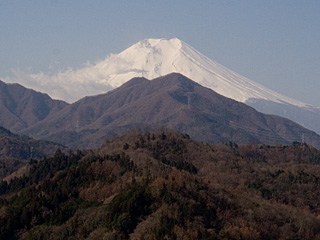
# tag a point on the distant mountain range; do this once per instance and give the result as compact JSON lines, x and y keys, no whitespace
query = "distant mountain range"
{"x":152,"y":58}
{"x":172,"y":101}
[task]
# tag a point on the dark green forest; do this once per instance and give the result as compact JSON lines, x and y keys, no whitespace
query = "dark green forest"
{"x":164,"y":185}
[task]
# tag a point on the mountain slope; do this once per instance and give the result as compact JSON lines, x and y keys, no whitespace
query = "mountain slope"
{"x":173,"y":101}
{"x":152,"y":58}
{"x":16,"y":151}
{"x":21,"y":107}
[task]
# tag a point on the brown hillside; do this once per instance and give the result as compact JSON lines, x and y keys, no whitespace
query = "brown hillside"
{"x":21,"y":107}
{"x":173,"y":101}
{"x":16,"y":151}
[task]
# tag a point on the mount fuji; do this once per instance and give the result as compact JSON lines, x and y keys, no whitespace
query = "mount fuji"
{"x":152,"y":58}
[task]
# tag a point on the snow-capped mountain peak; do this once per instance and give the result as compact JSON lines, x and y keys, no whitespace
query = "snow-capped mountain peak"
{"x":151,"y":58}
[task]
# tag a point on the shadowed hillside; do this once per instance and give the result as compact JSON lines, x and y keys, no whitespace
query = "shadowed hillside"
{"x":16,"y":151}
{"x":21,"y":107}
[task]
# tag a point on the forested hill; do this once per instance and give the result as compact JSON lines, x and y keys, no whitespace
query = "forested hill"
{"x":16,"y":151}
{"x":163,"y":185}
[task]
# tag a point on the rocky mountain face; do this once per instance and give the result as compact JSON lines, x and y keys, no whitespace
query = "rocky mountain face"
{"x":21,"y":107}
{"x":172,"y":101}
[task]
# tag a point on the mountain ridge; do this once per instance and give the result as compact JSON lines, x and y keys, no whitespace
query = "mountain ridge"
{"x":159,"y":57}
{"x":173,"y":101}
{"x":152,"y":58}
{"x":21,"y":107}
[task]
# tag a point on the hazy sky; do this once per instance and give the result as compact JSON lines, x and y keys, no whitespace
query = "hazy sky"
{"x":275,"y":43}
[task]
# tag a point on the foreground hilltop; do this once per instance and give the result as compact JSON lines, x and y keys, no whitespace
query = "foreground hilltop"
{"x":163,"y":185}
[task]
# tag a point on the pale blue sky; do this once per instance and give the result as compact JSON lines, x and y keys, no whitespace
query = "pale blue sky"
{"x":275,"y":43}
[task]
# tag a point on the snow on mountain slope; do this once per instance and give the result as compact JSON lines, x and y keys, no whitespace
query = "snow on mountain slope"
{"x":149,"y":58}
{"x":152,"y":58}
